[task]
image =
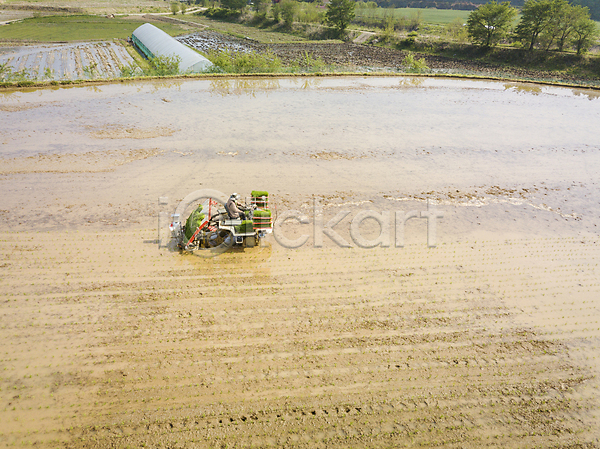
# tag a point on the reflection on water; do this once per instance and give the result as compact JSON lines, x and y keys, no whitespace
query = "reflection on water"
{"x":165,"y":84}
{"x":413,"y":81}
{"x":336,"y":116}
{"x":308,"y":83}
{"x":537,"y":89}
{"x":526,"y":88}
{"x":14,"y":93}
{"x":252,"y":86}
{"x":243,"y":86}
{"x":7,"y":93}
{"x":591,"y":94}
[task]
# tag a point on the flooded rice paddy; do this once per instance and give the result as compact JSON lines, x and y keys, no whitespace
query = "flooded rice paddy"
{"x":488,"y":339}
{"x":68,"y":61}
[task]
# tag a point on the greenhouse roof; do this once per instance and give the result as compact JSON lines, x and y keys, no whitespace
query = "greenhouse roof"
{"x":158,"y":43}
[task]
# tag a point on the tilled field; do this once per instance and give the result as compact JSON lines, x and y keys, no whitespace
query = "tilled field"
{"x":350,"y":56}
{"x":489,"y":339}
{"x":114,"y":344}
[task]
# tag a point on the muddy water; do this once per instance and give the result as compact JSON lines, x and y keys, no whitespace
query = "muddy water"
{"x":353,"y":116}
{"x":447,"y":140}
{"x":493,"y":334}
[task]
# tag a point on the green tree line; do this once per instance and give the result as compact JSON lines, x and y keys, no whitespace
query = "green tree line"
{"x":592,"y":5}
{"x":338,"y":14}
{"x":544,"y":23}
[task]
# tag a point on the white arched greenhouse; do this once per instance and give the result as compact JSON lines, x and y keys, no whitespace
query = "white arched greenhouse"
{"x":155,"y":42}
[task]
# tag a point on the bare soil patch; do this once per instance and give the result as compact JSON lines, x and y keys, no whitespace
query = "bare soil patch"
{"x":90,"y":162}
{"x":120,"y":132}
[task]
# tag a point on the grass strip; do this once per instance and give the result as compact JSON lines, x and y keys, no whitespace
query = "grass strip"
{"x":76,"y":28}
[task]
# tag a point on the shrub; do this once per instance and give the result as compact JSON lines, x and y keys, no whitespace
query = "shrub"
{"x":241,"y":62}
{"x":414,"y":65}
{"x":158,"y":66}
{"x":164,"y":66}
{"x":233,"y":5}
{"x":457,"y":30}
{"x":410,"y":40}
{"x":220,"y":13}
{"x":307,"y":61}
{"x":388,"y":35}
{"x":130,"y":70}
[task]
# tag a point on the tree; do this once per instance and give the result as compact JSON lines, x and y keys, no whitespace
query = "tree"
{"x":261,"y":7}
{"x":339,"y":14}
{"x":288,"y":11}
{"x":233,"y":5}
{"x":585,"y":33}
{"x":559,"y":22}
{"x":573,"y":15}
{"x":490,"y":22}
{"x":535,"y":18}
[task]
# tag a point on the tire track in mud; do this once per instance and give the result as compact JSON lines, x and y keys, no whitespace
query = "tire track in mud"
{"x":116,"y":344}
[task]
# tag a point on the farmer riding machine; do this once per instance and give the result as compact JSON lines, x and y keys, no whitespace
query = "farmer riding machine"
{"x":210,"y":227}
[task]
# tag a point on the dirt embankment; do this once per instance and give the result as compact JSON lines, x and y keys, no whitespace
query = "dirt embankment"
{"x":510,"y":63}
{"x":349,"y":54}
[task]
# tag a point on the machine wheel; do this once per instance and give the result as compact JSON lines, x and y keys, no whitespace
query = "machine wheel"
{"x":214,"y":243}
{"x":218,"y":238}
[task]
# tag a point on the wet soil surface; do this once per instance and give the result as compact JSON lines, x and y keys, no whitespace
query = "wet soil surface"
{"x":489,"y":339}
